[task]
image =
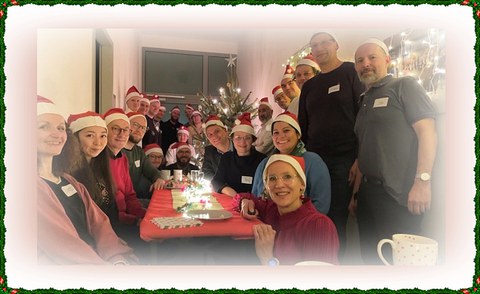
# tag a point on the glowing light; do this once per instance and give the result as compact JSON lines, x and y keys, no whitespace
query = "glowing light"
{"x":238,"y":90}
{"x":215,"y":101}
{"x":419,"y":81}
{"x":221,"y":90}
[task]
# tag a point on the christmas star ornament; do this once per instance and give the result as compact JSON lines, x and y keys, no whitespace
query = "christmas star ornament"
{"x":231,"y":60}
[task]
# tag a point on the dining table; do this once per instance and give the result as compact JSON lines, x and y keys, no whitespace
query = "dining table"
{"x":180,"y":237}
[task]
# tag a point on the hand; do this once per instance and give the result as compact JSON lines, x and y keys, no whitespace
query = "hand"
{"x":264,"y":241}
{"x":248,"y":210}
{"x":158,"y":184}
{"x":419,"y":197}
{"x":352,"y":206}
{"x":352,"y":174}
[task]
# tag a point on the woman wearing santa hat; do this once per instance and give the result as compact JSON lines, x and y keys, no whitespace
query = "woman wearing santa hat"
{"x":236,"y":168}
{"x":286,"y":134}
{"x":182,"y":137}
{"x":71,"y":227}
{"x":293,"y":230}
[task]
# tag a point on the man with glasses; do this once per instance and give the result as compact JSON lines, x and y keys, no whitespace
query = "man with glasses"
{"x":220,"y":143}
{"x":327,"y":112}
{"x":291,"y":89}
{"x":139,"y":165}
{"x":280,"y":98}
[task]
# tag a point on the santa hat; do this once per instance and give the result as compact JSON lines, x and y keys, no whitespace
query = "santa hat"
{"x":213,"y":120}
{"x":132,"y":92}
{"x":80,"y":121}
{"x":45,"y":105}
{"x":155,"y":98}
{"x":180,"y":145}
{"x":288,"y":74}
{"x":277,"y":91}
{"x":133,"y":114}
{"x":145,"y":98}
{"x":196,"y":112}
{"x":114,"y":114}
{"x":289,"y":118}
{"x":175,"y":108}
{"x":243,"y":123}
{"x":298,"y":163}
{"x":309,"y":60}
{"x":378,"y":43}
{"x":150,"y":148}
{"x":264,"y":101}
{"x":183,"y":130}
{"x":162,"y":107}
{"x":188,"y":106}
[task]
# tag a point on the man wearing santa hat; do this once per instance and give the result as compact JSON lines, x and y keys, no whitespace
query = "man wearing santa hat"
{"x":280,"y":98}
{"x":217,"y":135}
{"x":144,"y":104}
{"x":306,"y":69}
{"x":188,"y":113}
{"x":169,"y":129}
{"x":184,"y":155}
{"x":153,"y":134}
{"x":132,"y":99}
{"x":290,"y":88}
{"x":264,"y":143}
{"x":182,"y":136}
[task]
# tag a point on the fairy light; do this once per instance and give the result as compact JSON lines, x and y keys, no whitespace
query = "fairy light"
{"x":238,"y":90}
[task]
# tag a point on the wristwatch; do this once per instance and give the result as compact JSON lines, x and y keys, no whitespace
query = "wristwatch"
{"x":425,"y":177}
{"x":273,"y":261}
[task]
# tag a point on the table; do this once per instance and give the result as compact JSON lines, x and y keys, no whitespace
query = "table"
{"x":228,"y":241}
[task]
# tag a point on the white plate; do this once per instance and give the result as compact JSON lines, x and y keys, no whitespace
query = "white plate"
{"x":209,"y":214}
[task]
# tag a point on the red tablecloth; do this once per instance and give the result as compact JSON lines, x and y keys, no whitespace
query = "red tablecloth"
{"x":161,"y":206}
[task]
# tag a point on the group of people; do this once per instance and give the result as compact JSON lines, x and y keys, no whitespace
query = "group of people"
{"x":352,"y":139}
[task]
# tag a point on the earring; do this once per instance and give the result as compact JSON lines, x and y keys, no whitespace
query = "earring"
{"x":301,"y":193}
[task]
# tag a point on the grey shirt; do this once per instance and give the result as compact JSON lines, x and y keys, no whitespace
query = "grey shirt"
{"x":388,"y":145}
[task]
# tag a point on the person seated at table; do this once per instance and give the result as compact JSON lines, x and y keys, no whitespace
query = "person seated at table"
{"x":72,"y":229}
{"x":293,"y":230}
{"x":236,"y":168}
{"x":182,"y":136}
{"x":184,"y":155}
{"x":286,"y":134}
{"x":154,"y":153}
{"x":217,"y":135}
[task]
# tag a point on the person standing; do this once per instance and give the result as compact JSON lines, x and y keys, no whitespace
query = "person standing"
{"x":306,"y":69}
{"x":169,"y":129}
{"x":153,"y":134}
{"x":327,"y":112}
{"x":397,"y":139}
{"x":280,"y":98}
{"x":291,"y":90}
{"x":132,"y":99}
{"x":144,"y":104}
{"x":264,"y":142}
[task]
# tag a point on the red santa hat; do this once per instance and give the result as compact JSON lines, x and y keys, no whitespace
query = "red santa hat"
{"x":155,"y":98}
{"x":298,"y":163}
{"x":114,"y":114}
{"x":80,"y":121}
{"x":145,"y":98}
{"x":309,"y":60}
{"x":289,"y":118}
{"x":45,"y":105}
{"x":188,"y":106}
{"x":288,"y":74}
{"x":150,"y":148}
{"x":134,"y":114}
{"x":243,"y":123}
{"x":183,"y":130}
{"x":175,"y":108}
{"x":132,"y":92}
{"x":264,"y":101}
{"x":180,"y":145}
{"x":213,"y":120}
{"x":196,"y":112}
{"x":277,"y":91}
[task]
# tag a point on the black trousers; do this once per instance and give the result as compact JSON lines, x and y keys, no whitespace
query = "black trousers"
{"x":379,"y":217}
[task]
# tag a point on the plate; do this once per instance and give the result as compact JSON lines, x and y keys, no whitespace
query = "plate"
{"x":209,"y":214}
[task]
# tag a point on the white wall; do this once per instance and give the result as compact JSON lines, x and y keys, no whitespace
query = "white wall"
{"x":66,"y":67}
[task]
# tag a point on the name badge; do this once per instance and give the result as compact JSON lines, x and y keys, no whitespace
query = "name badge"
{"x":247,"y":180}
{"x":137,"y":163}
{"x":333,"y":89}
{"x":380,"y":102}
{"x":69,"y":190}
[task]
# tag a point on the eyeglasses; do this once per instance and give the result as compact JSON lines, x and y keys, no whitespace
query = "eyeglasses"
{"x":155,"y":156}
{"x":118,"y":131}
{"x":239,"y":139}
{"x":138,"y":126}
{"x":287,"y":179}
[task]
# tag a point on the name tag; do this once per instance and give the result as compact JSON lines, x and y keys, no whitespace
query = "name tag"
{"x":137,"y":163}
{"x":69,"y":190}
{"x":333,"y":89}
{"x":380,"y":102}
{"x":247,"y":180}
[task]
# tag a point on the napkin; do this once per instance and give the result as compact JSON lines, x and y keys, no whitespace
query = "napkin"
{"x":175,"y":222}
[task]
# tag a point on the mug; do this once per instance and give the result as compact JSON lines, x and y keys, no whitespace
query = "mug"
{"x":194,"y":175}
{"x":177,"y":175}
{"x":165,"y":174}
{"x":410,"y":250}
